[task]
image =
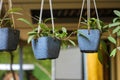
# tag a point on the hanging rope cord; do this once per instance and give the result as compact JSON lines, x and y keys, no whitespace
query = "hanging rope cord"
{"x":98,"y":22}
{"x":1,"y":4}
{"x":51,"y":12}
{"x":88,"y":13}
{"x":80,"y":17}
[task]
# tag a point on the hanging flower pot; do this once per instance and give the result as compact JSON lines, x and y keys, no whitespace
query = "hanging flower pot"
{"x":9,"y":39}
{"x":46,"y":47}
{"x":46,"y":40}
{"x":88,"y":41}
{"x":9,"y":36}
{"x":89,"y":36}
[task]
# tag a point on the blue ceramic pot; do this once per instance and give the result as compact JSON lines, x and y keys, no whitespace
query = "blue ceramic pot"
{"x":90,"y":41}
{"x":46,"y":48}
{"x":9,"y":39}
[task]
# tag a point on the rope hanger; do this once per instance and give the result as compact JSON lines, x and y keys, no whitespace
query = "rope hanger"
{"x":1,"y":4}
{"x":51,"y":12}
{"x":88,"y":13}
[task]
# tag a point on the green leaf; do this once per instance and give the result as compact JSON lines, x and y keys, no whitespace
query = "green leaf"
{"x":116,"y":12}
{"x":99,"y":26}
{"x":100,"y":56}
{"x":64,"y":44}
{"x":106,"y":26}
{"x":72,"y":42}
{"x":44,"y":26}
{"x":32,"y":33}
{"x":30,"y":38}
{"x":111,"y":39}
{"x":46,"y":20}
{"x":83,"y":35}
{"x":114,"y":24}
{"x":35,"y":29}
{"x":62,"y":35}
{"x":17,"y":13}
{"x":14,"y":10}
{"x":118,"y":33}
{"x":115,"y":20}
{"x":26,"y":21}
{"x":6,"y":19}
{"x":116,"y":29}
{"x":113,"y":53}
{"x":64,"y":29}
{"x":104,"y":45}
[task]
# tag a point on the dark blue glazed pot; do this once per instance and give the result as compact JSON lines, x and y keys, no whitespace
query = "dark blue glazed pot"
{"x":90,"y":41}
{"x":46,"y":48}
{"x":9,"y":39}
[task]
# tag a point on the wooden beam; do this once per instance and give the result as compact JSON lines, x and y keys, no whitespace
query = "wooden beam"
{"x":118,"y":62}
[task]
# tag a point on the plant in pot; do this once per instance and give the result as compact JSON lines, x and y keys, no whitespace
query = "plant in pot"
{"x":46,"y":44}
{"x":46,"y":41}
{"x":89,"y":39}
{"x":9,"y":36}
{"x":114,"y":32}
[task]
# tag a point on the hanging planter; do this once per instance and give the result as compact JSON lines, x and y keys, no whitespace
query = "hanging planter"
{"x":47,"y":41}
{"x":9,"y":39}
{"x":9,"y":36}
{"x":89,"y":39}
{"x":46,"y":47}
{"x":88,"y":42}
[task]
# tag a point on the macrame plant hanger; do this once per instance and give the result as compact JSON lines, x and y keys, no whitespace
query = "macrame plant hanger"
{"x":52,"y":20}
{"x":88,"y":14}
{"x":88,"y":39}
{"x":51,"y":12}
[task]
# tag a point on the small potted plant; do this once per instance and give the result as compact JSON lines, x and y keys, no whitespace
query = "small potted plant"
{"x":89,"y":39}
{"x":47,"y":43}
{"x":9,"y":36}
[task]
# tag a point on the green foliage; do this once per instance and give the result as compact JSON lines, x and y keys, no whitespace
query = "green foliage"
{"x":26,"y":21}
{"x":113,"y":53}
{"x":116,"y":30}
{"x":115,"y":27}
{"x":103,"y":46}
{"x":45,"y":30}
{"x":100,"y":56}
{"x":5,"y":19}
{"x":112,"y":39}
{"x":117,"y":13}
{"x":114,"y":24}
{"x":83,"y":35}
{"x":14,"y":11}
{"x":94,"y":24}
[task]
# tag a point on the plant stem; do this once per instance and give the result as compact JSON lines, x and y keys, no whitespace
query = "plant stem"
{"x":1,"y":23}
{"x":70,"y":35}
